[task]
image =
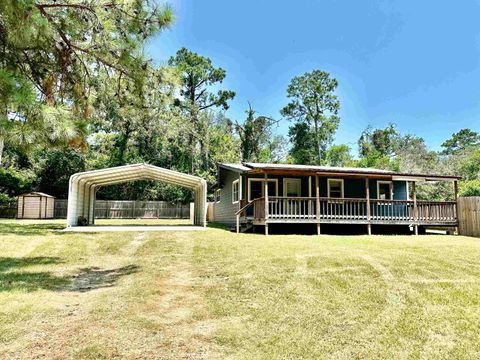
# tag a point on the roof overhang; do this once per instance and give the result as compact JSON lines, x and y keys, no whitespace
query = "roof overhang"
{"x":304,"y":170}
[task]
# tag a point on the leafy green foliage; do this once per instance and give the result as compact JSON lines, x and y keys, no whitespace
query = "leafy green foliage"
{"x":51,"y":55}
{"x":74,"y":78}
{"x":197,"y":73}
{"x":55,"y":168}
{"x":470,"y":188}
{"x":339,"y":155}
{"x":303,"y":144}
{"x":314,"y":103}
{"x":380,"y":141}
{"x":197,"y":77}
{"x":256,"y":139}
{"x":461,"y":141}
{"x":14,"y":182}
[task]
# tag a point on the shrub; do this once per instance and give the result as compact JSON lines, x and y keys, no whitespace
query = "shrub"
{"x":470,"y":188}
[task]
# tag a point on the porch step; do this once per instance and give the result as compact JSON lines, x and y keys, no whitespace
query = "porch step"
{"x":244,"y":227}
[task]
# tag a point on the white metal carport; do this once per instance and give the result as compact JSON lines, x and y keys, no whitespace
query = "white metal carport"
{"x":83,"y":187}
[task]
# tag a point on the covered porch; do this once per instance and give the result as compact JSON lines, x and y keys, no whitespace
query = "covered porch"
{"x":316,"y":209}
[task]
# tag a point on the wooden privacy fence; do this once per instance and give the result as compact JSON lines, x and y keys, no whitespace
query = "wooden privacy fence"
{"x":130,"y":209}
{"x":8,"y":211}
{"x":469,"y":216}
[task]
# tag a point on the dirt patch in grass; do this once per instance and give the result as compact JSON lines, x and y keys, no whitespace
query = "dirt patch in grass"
{"x":93,"y":278}
{"x":140,"y":301}
{"x":215,"y":294}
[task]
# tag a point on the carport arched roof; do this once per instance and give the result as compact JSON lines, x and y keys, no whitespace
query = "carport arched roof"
{"x":82,"y":188}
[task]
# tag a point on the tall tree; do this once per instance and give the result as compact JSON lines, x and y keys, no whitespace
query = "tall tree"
{"x":198,"y":77}
{"x":461,"y":141}
{"x":339,"y":155}
{"x":383,"y":141}
{"x":255,"y":135}
{"x":52,"y":52}
{"x":313,"y":102}
{"x":377,"y":147}
{"x":303,"y":144}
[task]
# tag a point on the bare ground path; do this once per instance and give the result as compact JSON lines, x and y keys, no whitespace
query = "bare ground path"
{"x":213,"y":294}
{"x":142,"y":304}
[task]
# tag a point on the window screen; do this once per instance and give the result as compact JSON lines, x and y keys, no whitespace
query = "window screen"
{"x":335,"y":188}
{"x":385,"y":191}
{"x":292,"y":187}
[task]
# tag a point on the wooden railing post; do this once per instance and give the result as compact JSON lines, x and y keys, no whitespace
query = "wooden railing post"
{"x":415,"y":209}
{"x":266,"y":203}
{"x":367,"y":195}
{"x":317,"y":194}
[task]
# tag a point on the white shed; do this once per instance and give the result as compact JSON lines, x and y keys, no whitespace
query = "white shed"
{"x":35,"y":205}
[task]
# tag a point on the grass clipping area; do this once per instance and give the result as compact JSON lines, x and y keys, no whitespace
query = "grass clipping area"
{"x":215,"y":295}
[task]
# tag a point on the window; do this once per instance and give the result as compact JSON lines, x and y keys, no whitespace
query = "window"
{"x":335,"y":188}
{"x":235,"y":191}
{"x":217,"y":195}
{"x":292,"y":187}
{"x":384,"y":190}
{"x":256,"y":188}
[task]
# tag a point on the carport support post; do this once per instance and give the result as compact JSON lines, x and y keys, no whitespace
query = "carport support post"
{"x":367,"y":194}
{"x":317,"y":195}
{"x":266,"y":203}
{"x":415,"y":210}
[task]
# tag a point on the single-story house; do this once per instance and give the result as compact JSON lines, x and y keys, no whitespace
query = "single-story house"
{"x":258,"y":194}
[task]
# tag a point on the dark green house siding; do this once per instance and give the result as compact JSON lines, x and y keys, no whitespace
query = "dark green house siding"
{"x":224,"y":211}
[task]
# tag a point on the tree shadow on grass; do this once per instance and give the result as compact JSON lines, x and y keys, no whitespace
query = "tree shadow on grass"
{"x":30,"y":229}
{"x":13,"y":278}
{"x":217,"y":225}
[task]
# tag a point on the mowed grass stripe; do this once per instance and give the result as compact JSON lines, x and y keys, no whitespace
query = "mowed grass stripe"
{"x":216,"y":294}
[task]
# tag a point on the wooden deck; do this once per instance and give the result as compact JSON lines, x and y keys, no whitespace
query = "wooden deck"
{"x":348,"y":211}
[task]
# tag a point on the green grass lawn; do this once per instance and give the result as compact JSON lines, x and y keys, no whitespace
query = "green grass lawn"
{"x":143,"y":222}
{"x":216,"y":294}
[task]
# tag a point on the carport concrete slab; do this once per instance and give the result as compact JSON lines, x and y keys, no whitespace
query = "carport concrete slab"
{"x":138,"y":228}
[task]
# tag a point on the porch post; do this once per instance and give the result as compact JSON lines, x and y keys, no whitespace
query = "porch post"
{"x":317,"y":194}
{"x":367,"y":195}
{"x":266,"y":203}
{"x":455,"y":190}
{"x":238,"y":224}
{"x":415,"y":210}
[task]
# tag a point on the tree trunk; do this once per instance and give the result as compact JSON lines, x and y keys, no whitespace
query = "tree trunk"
{"x":3,"y":122}
{"x":2,"y":145}
{"x":319,"y":148}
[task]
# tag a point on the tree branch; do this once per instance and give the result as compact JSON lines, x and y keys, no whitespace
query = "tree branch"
{"x":79,"y":48}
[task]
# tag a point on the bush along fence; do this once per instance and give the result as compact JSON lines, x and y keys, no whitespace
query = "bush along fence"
{"x":117,"y":209}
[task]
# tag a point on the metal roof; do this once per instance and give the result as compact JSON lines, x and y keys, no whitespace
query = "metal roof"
{"x":83,"y":186}
{"x":37,"y":193}
{"x":252,"y":167}
{"x":237,"y":167}
{"x":314,"y":168}
{"x":137,"y":172}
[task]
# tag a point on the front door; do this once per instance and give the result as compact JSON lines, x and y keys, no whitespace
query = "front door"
{"x":256,"y":189}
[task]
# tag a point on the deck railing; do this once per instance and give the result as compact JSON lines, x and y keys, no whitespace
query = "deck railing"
{"x":305,"y":208}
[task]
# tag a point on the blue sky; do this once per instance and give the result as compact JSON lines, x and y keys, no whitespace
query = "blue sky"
{"x":414,"y":63}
